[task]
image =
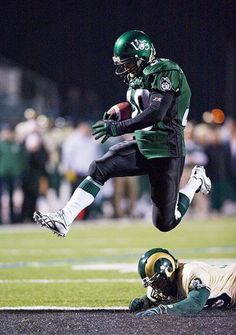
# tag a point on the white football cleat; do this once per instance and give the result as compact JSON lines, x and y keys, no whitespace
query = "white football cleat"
{"x":199,"y":172}
{"x":53,"y":221}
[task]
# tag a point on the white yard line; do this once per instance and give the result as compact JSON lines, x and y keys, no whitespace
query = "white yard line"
{"x":132,"y":267}
{"x":61,"y":308}
{"x":69,"y":281}
{"x":108,"y":266}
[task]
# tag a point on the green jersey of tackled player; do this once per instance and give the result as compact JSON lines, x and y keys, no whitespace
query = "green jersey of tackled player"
{"x":165,"y":138}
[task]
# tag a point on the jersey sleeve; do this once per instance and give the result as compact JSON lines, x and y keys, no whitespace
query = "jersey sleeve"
{"x":166,"y":81}
{"x":195,"y":277}
{"x":193,"y":304}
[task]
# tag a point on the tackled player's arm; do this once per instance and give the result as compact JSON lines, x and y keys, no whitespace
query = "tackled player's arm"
{"x":194,"y":303}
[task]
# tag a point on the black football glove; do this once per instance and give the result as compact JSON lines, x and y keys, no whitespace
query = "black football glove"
{"x":140,"y":304}
{"x":107,"y":128}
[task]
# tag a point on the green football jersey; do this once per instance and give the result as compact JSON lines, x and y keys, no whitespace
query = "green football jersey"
{"x":165,"y":138}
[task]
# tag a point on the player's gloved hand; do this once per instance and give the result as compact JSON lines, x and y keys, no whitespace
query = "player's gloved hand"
{"x":107,"y":128}
{"x":136,"y":305}
{"x":140,"y":304}
{"x":161,"y":309}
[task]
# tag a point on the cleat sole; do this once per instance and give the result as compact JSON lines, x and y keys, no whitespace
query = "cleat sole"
{"x":39,"y":220}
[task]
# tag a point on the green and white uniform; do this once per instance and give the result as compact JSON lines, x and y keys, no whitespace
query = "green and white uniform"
{"x":221,"y":282}
{"x":165,"y":138}
{"x":199,"y":285}
{"x":160,"y":98}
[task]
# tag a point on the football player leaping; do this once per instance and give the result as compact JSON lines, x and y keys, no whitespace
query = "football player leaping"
{"x":182,"y":288}
{"x":160,"y":96}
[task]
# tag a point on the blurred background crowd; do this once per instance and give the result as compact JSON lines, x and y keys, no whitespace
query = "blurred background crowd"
{"x":46,"y":147}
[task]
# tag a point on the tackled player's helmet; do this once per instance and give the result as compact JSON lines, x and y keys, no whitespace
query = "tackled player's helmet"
{"x":133,"y":50}
{"x":157,"y":269}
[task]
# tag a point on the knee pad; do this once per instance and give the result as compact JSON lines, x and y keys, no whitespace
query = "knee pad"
{"x":163,"y":221}
{"x":95,"y":172}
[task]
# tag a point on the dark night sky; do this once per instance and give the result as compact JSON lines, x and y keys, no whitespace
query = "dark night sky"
{"x":71,"y":42}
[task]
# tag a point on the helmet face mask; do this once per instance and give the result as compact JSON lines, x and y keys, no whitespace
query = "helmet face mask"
{"x":157,"y":281}
{"x":132,"y":52}
{"x":126,"y":66}
{"x":162,"y":288}
{"x":157,"y":268}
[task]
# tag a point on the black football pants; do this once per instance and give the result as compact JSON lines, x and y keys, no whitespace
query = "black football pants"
{"x":125,"y":159}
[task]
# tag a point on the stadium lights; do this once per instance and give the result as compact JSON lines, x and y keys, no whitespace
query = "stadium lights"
{"x":214,"y":116}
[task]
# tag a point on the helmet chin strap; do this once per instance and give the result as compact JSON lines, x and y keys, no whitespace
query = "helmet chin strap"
{"x":138,"y":68}
{"x":139,"y":62}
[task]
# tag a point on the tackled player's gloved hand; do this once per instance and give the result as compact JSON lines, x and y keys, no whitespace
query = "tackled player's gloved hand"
{"x":161,"y":309}
{"x":107,"y":128}
{"x":140,"y":304}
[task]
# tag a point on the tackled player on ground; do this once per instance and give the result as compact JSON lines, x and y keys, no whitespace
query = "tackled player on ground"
{"x":174,"y":287}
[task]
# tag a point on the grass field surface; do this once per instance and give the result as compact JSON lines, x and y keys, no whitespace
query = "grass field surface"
{"x":96,"y":264}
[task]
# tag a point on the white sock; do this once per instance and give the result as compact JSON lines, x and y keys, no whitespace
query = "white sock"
{"x":191,"y":187}
{"x":79,"y":200}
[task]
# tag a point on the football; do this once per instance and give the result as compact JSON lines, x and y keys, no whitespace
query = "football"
{"x":120,"y":111}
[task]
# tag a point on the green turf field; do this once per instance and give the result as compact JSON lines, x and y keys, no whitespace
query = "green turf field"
{"x":95,"y":265}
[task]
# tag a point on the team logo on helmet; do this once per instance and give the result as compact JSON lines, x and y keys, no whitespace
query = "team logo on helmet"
{"x":140,"y":44}
{"x":165,"y":84}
